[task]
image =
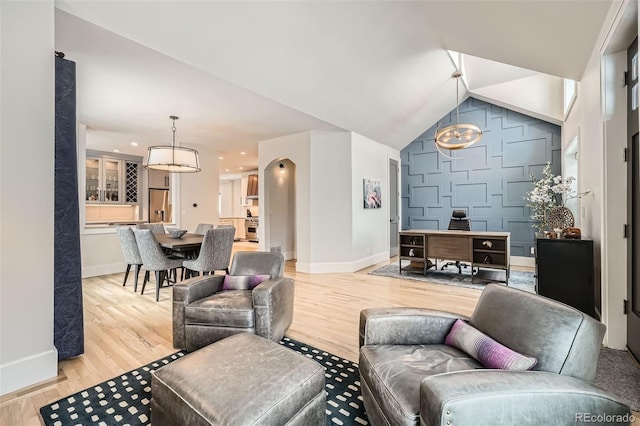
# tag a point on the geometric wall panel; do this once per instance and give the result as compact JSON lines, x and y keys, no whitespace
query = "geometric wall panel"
{"x":488,"y":180}
{"x":470,"y":193}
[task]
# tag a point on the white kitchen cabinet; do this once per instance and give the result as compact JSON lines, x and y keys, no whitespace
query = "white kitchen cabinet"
{"x":159,"y":179}
{"x":249,"y":190}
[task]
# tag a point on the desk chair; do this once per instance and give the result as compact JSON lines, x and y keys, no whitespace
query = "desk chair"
{"x":458,"y":222}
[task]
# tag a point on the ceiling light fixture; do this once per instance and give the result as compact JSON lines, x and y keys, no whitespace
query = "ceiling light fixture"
{"x":457,"y":136}
{"x":175,"y":159}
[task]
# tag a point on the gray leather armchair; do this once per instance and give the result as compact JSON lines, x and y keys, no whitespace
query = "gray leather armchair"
{"x":410,"y":377}
{"x":204,"y":313}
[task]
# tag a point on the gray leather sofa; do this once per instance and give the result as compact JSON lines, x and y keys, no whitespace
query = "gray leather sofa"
{"x":204,"y":313}
{"x":409,"y":376}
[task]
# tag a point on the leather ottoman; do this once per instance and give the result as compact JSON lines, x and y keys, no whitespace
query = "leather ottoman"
{"x":241,"y":380}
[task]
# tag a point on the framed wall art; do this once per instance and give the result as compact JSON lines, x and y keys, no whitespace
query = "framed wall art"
{"x":372,"y":195}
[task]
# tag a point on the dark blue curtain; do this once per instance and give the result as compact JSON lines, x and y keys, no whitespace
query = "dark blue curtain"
{"x":68,"y":321}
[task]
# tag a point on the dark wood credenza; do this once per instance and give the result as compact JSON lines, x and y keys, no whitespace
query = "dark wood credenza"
{"x":486,"y":251}
{"x":565,"y":272}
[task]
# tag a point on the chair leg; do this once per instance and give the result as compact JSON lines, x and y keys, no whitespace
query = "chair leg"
{"x":159,"y":279}
{"x":135,"y":279}
{"x":144,"y":282}
{"x":126,"y":274}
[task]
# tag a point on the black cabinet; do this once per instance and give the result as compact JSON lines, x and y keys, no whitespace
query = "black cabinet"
{"x":565,"y":270}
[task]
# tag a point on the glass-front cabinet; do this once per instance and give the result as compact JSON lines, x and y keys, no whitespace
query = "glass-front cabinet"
{"x":111,"y":180}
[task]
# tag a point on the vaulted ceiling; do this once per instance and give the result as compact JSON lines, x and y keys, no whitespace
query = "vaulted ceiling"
{"x":240,"y":72}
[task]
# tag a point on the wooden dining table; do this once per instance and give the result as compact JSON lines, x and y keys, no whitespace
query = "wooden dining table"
{"x":188,"y":243}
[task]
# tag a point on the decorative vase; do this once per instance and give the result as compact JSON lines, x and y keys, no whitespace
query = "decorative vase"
{"x":559,"y":218}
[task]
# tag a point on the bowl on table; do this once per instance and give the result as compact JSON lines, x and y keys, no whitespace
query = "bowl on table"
{"x":176,"y":233}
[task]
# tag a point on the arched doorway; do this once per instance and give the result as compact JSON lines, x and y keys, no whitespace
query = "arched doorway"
{"x":280,"y":207}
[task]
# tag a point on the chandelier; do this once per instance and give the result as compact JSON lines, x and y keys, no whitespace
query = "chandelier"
{"x":175,"y":159}
{"x":457,"y":136}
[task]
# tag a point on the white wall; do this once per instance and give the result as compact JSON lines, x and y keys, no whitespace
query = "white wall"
{"x":27,"y":353}
{"x":101,"y":253}
{"x":371,"y":232}
{"x":539,"y":96}
{"x":199,"y":188}
{"x":333,"y":233}
{"x":330,"y":202}
{"x":281,"y":218}
{"x":296,"y":148}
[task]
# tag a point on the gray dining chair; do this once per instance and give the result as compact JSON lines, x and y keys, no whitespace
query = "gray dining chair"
{"x":130,"y":253}
{"x":215,"y":252}
{"x":156,"y":228}
{"x":202,"y":228}
{"x":154,"y":259}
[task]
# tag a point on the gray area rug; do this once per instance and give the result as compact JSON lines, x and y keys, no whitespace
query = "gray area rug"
{"x":619,"y":374}
{"x":450,"y":276}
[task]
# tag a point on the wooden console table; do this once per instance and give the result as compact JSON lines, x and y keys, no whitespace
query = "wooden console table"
{"x":486,"y":250}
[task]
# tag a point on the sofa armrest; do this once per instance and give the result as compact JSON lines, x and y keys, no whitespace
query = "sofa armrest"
{"x":273,"y":307}
{"x":185,"y":292}
{"x":405,"y":326}
{"x":490,"y":397}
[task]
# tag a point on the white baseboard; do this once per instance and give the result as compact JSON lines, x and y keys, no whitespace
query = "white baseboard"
{"x":28,"y":371}
{"x":523,"y":261}
{"x":340,"y":267}
{"x":97,"y":270}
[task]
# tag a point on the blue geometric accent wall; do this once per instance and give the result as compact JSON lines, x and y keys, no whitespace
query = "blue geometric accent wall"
{"x":488,"y":180}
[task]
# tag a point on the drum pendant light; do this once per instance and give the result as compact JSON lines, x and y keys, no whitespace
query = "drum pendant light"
{"x":174,"y":159}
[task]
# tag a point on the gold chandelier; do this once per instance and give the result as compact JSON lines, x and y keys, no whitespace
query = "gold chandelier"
{"x":457,"y":136}
{"x":175,"y":159}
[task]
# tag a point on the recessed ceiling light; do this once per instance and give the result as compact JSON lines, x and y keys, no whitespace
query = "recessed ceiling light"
{"x":116,"y":150}
{"x":220,"y":158}
{"x":134,"y":143}
{"x":242,"y":153}
{"x":240,"y":167}
{"x":226,"y":170}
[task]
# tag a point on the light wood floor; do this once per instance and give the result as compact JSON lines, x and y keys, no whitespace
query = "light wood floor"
{"x":124,"y":330}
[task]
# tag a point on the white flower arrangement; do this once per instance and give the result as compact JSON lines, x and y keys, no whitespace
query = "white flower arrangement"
{"x":546,"y":195}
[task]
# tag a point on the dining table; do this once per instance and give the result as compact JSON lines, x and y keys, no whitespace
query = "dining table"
{"x":187,"y":245}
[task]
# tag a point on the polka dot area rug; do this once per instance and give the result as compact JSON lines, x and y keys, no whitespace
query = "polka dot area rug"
{"x":125,"y":400}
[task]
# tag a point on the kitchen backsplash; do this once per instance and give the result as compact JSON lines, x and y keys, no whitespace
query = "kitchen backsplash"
{"x":101,"y":213}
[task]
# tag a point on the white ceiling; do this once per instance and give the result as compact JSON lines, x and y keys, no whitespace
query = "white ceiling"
{"x":240,"y":72}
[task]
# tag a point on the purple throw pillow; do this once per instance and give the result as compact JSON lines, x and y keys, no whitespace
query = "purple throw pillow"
{"x":243,"y":282}
{"x":487,"y":351}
